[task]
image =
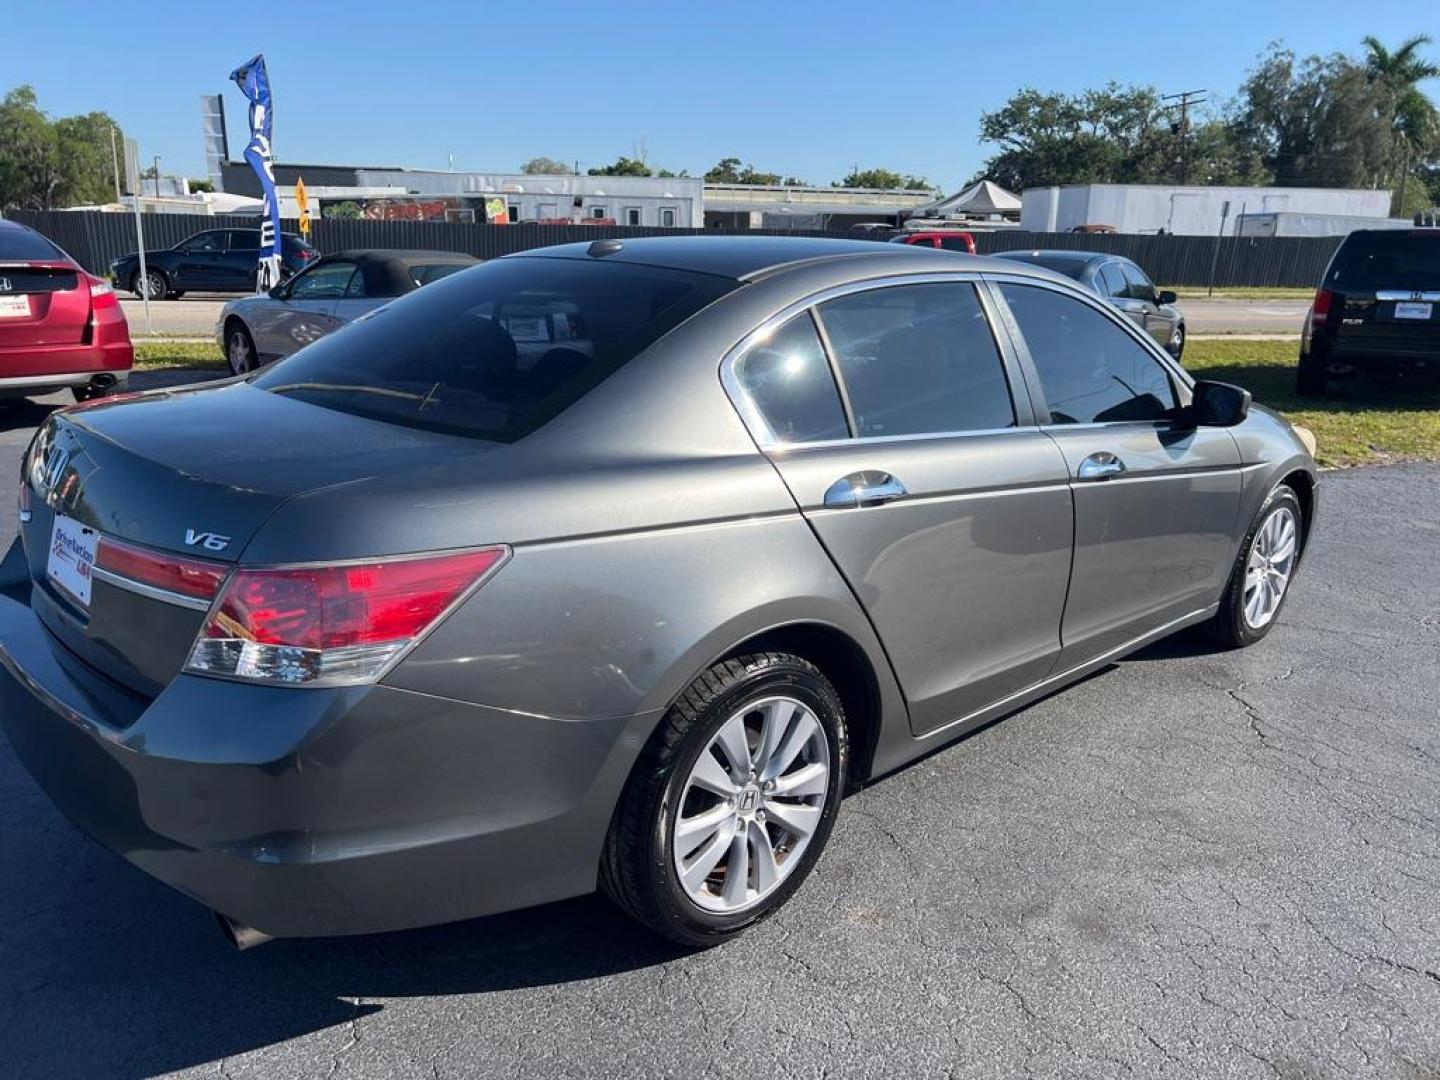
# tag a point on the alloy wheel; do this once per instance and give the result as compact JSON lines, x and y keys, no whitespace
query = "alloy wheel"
{"x":152,"y":286}
{"x":1269,"y":566}
{"x":239,"y":352}
{"x":751,"y":804}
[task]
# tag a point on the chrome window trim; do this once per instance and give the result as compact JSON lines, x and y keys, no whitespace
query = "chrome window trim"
{"x":825,"y":444}
{"x":150,"y":592}
{"x":750,"y":413}
{"x":1419,"y":296}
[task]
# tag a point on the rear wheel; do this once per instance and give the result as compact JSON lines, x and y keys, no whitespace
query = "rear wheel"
{"x":1311,"y":377}
{"x":1176,"y":345}
{"x":732,"y":801}
{"x":239,"y":349}
{"x":151,"y":285}
{"x":1260,"y":580}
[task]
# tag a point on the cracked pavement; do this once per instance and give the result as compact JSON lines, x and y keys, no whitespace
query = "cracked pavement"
{"x":1194,"y":864}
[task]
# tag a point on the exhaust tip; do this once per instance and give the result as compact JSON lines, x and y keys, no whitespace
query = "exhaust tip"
{"x":103,"y":381}
{"x":240,"y":936}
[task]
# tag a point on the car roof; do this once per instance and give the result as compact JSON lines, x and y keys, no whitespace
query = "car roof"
{"x":1056,"y":255}
{"x":748,"y":257}
{"x":389,"y":255}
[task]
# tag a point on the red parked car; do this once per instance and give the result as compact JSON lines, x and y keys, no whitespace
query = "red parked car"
{"x":59,"y":326}
{"x":950,"y":240}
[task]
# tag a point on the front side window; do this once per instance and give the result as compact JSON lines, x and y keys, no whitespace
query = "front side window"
{"x":1112,"y":281}
{"x":245,"y":240}
{"x":426,"y":273}
{"x":918,"y":359}
{"x":788,"y":378}
{"x":1139,"y":287}
{"x":1090,"y":369}
{"x":207,"y":241}
{"x":326,"y":282}
{"x":955,"y":243}
{"x":497,"y":351}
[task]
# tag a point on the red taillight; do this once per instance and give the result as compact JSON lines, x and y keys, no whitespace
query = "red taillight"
{"x":101,"y":294}
{"x":1321,"y":307}
{"x":187,"y":577}
{"x":332,"y":624}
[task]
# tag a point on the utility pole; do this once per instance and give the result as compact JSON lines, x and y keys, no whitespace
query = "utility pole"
{"x":115,"y":157}
{"x":157,"y":176}
{"x":1182,"y":102}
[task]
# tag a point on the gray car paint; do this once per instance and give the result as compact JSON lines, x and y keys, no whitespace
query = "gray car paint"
{"x":650,"y":537}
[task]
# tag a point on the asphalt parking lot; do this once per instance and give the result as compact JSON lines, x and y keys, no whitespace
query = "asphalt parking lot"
{"x":1192,"y":864}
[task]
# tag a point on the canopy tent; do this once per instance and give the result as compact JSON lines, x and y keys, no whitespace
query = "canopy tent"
{"x":981,"y":198}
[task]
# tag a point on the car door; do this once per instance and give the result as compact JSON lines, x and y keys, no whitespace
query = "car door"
{"x":242,"y":254}
{"x":303,"y":309}
{"x":1154,"y":319}
{"x":1155,"y":499}
{"x":198,"y":261}
{"x":928,"y":484}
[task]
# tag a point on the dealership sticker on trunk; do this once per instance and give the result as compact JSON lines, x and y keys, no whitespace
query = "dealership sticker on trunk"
{"x":1413,"y":311}
{"x":14,"y":307}
{"x":72,"y":557}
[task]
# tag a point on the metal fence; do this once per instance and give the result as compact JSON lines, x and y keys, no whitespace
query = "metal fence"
{"x":95,"y":238}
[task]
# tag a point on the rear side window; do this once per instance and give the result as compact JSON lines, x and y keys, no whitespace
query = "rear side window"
{"x":497,"y":351}
{"x":1090,"y":369}
{"x":1389,"y":260}
{"x":956,"y":243}
{"x":788,"y":378}
{"x":22,"y":245}
{"x":918,"y":359}
{"x":426,"y":273}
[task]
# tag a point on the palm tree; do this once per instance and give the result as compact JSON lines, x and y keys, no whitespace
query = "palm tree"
{"x":1414,"y":120}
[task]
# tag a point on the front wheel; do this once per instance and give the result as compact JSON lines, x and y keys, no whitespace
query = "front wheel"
{"x":1176,"y":345}
{"x":1261,"y":578}
{"x":239,"y":349}
{"x":731,"y":802}
{"x":151,"y":285}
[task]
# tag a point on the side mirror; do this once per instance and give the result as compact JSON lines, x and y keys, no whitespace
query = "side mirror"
{"x":1218,"y":404}
{"x":1166,"y":297}
{"x":280,"y":292}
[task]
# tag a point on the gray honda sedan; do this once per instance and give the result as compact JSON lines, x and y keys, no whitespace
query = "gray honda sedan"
{"x":613,"y":564}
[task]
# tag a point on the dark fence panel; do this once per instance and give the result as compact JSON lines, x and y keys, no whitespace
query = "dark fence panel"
{"x":94,"y":239}
{"x":1188,"y":260}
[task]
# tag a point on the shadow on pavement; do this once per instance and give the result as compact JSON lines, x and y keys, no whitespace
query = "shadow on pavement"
{"x":111,"y":973}
{"x":23,"y":413}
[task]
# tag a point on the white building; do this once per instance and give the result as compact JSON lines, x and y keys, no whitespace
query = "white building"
{"x":672,"y":202}
{"x":1187,"y":211}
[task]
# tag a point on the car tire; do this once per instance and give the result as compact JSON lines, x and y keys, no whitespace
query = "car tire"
{"x":1176,"y":346}
{"x":1311,"y":378}
{"x":239,"y":349}
{"x":1235,"y":625}
{"x":159,"y":285}
{"x":672,"y":794}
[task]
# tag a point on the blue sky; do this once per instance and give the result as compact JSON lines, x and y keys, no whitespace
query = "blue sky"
{"x":800,"y":88}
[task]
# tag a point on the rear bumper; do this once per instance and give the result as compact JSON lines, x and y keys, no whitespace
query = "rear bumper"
{"x":28,"y":369}
{"x":305,"y":812}
{"x":1373,"y":352}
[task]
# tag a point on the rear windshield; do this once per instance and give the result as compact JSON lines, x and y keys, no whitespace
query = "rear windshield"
{"x":1071,"y":268}
{"x":22,"y":245}
{"x":1389,"y":260}
{"x":496,"y":351}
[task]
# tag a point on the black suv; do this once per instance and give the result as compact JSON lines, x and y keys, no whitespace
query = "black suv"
{"x":216,"y":260}
{"x":1377,"y":306}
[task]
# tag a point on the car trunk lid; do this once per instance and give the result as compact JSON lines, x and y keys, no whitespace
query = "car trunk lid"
{"x":193,"y":474}
{"x":43,"y":303}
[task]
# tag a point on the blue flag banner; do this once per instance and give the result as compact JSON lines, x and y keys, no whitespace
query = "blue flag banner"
{"x":254,"y":83}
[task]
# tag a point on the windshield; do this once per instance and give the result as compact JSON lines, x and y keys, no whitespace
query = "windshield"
{"x":496,"y":351}
{"x":1392,"y":260}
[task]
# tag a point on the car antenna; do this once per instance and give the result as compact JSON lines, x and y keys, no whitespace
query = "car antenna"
{"x":600,"y":248}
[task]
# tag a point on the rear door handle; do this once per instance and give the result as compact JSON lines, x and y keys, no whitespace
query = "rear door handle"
{"x":870,"y":487}
{"x":1100,"y":466}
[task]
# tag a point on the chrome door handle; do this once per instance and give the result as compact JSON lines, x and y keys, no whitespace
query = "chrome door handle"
{"x":870,"y":487}
{"x":1100,"y":466}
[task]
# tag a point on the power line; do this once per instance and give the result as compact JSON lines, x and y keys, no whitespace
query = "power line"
{"x":1183,"y":101}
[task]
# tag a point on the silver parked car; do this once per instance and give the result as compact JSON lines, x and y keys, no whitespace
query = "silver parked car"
{"x":1121,"y":282}
{"x":329,"y":293}
{"x":612,"y":564}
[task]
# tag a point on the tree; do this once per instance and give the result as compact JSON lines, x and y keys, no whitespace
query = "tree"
{"x":545,"y":166}
{"x":883,"y":178}
{"x":624,"y":166}
{"x":730,"y":171}
{"x":1414,"y":121}
{"x":46,"y":164}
